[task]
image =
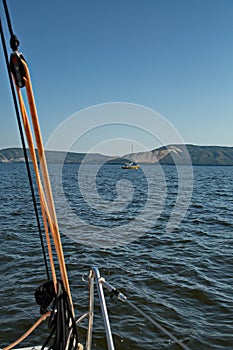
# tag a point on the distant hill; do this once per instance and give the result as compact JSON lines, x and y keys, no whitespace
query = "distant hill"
{"x":15,"y":155}
{"x":11,"y":155}
{"x":178,"y":154}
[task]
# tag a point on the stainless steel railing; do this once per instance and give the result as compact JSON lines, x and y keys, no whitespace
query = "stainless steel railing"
{"x":94,"y":277}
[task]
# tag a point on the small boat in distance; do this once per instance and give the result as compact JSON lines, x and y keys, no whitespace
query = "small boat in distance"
{"x":131,"y":165}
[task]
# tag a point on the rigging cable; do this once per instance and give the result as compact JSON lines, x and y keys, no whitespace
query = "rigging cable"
{"x":64,"y":332}
{"x":158,"y":326}
{"x":22,"y":78}
{"x":23,"y":140}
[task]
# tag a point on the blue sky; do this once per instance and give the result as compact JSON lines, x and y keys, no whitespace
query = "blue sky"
{"x":173,"y":56}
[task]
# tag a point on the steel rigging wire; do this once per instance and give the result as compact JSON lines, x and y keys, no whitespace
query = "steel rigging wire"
{"x":23,"y":139}
{"x":62,"y":322}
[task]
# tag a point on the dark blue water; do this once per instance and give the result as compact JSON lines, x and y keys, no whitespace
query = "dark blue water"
{"x":182,"y":279}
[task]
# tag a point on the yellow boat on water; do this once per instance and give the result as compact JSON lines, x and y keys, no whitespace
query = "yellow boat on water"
{"x":132,"y":165}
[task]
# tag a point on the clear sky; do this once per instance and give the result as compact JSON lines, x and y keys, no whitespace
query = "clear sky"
{"x":174,"y":56}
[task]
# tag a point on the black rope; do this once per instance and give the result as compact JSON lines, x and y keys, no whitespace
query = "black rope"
{"x":8,"y":18}
{"x":23,"y":141}
{"x":63,"y":334}
{"x":14,"y":42}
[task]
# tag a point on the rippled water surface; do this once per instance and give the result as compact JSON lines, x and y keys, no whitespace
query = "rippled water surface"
{"x":182,"y":279}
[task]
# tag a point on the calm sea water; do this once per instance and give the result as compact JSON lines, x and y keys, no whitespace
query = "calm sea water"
{"x":182,"y":279}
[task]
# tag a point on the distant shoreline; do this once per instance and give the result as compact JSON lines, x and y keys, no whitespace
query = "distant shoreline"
{"x":166,"y":155}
